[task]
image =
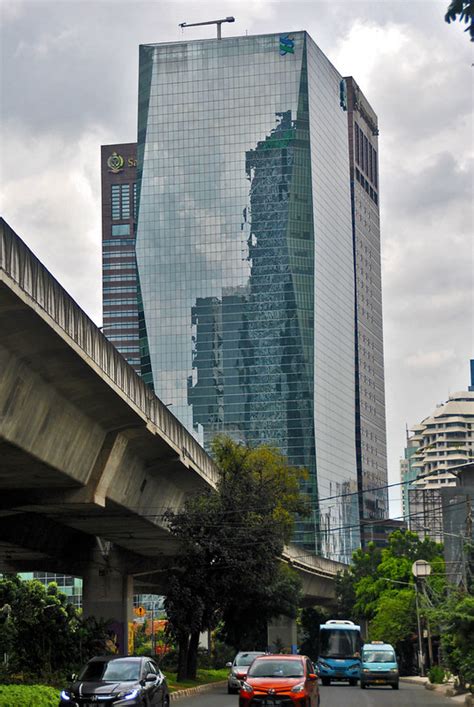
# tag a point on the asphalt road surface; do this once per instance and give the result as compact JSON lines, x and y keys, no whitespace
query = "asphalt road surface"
{"x":340,"y":696}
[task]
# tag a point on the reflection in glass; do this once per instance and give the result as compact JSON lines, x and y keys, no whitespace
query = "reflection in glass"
{"x":244,"y":250}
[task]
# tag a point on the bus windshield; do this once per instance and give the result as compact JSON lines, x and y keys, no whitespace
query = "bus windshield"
{"x":339,"y":643}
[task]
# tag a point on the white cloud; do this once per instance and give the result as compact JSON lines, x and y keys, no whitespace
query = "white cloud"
{"x":52,"y":200}
{"x":430,"y":359}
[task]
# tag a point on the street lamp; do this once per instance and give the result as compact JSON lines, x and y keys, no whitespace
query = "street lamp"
{"x":420,"y":569}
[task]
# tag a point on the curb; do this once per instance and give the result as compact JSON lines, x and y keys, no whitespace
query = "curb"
{"x":415,"y":680}
{"x":189,"y":691}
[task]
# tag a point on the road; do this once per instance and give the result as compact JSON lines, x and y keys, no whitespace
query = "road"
{"x":341,"y":696}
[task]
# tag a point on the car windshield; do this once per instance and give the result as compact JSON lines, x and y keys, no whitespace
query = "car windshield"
{"x":119,"y":670}
{"x":245,"y":658}
{"x":276,"y":669}
{"x":378,"y":657}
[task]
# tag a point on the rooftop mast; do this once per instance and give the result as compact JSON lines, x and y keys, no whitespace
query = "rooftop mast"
{"x":209,"y":22}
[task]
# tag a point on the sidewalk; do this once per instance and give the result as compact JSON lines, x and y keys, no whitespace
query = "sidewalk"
{"x":446,"y":689}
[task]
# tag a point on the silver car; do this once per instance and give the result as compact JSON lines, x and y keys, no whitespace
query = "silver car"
{"x":239,"y":668}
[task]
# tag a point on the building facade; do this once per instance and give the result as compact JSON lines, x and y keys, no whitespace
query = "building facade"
{"x":439,"y":445}
{"x":371,"y":443}
{"x":119,"y":269}
{"x":245,"y":254}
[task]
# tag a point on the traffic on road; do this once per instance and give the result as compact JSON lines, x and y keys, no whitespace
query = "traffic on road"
{"x":340,"y":695}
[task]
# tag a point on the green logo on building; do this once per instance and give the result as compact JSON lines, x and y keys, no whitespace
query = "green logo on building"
{"x":115,"y":163}
{"x":287,"y":45}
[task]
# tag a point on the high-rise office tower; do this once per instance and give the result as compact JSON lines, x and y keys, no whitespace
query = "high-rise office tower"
{"x":245,"y":253}
{"x":119,"y":269}
{"x":371,"y":443}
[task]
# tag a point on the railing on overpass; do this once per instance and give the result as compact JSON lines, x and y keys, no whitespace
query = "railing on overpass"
{"x":25,"y":270}
{"x":301,"y":559}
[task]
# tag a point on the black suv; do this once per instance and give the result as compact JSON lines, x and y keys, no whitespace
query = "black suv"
{"x":117,"y":681}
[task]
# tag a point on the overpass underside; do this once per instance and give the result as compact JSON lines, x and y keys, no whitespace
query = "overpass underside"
{"x":90,"y":459}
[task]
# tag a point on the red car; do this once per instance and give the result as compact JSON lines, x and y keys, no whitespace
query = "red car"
{"x":280,"y":681}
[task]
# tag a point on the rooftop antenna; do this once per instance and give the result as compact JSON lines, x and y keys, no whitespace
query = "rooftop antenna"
{"x":209,"y":22}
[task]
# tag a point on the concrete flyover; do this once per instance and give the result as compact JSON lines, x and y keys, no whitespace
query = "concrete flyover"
{"x":90,"y":458}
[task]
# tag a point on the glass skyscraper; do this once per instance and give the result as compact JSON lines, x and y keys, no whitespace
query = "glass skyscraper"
{"x":245,"y":257}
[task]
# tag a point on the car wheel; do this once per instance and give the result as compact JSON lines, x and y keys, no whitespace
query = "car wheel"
{"x":352,"y":681}
{"x":395,"y":686}
{"x":231,"y":690}
{"x":326,"y":681}
{"x":362,"y":685}
{"x":166,"y":701}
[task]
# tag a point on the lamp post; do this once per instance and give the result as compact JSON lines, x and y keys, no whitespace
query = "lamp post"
{"x":420,"y":569}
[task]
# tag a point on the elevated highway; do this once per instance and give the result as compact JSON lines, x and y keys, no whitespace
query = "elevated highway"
{"x":90,"y":457}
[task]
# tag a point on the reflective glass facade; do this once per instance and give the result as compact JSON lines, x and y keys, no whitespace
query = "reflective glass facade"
{"x":245,"y":257}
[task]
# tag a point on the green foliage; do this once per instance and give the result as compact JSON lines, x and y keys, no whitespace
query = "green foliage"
{"x":45,"y":634}
{"x":247,"y":613}
{"x":465,"y":10}
{"x":395,"y":617}
{"x":309,"y":621}
{"x":455,"y":618}
{"x":230,"y":544}
{"x":142,"y":641}
{"x":28,"y":696}
{"x":203,"y":677}
{"x":436,"y":674}
{"x":379,"y":587}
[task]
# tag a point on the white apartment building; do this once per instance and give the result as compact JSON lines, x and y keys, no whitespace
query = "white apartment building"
{"x":441,"y":442}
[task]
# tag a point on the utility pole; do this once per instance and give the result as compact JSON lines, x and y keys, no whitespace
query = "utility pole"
{"x":209,"y":22}
{"x":420,"y":569}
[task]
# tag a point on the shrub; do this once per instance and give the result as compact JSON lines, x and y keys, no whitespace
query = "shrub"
{"x":28,"y":696}
{"x":436,"y":674}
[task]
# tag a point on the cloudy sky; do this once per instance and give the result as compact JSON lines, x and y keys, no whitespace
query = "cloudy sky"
{"x":69,"y":73}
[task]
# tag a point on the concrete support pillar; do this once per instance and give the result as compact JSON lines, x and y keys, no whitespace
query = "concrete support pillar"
{"x":282,"y":635}
{"x":107,"y":593}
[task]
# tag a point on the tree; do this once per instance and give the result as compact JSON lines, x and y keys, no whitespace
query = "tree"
{"x":465,"y":10}
{"x":245,"y":616}
{"x":395,"y":616}
{"x":44,"y":633}
{"x":230,"y":546}
{"x":310,"y":620}
{"x":455,"y":618}
{"x":381,"y":587}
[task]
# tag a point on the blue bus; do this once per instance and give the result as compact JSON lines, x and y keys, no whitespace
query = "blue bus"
{"x":339,"y":651}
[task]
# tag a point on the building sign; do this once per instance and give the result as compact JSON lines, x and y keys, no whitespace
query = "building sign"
{"x":287,"y":45}
{"x":115,"y":163}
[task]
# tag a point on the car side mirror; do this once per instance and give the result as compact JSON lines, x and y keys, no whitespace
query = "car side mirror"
{"x":312,"y":676}
{"x":228,"y":665}
{"x":151,"y":677}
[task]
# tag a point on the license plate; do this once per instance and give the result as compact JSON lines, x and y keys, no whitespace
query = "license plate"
{"x":380,"y":681}
{"x":270,"y":703}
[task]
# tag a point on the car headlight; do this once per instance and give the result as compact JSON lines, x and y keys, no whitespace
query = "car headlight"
{"x":323,"y":664}
{"x":365,"y":670}
{"x":65,"y":695}
{"x":394,"y":670}
{"x":246,"y":687}
{"x":298,"y":688}
{"x":129,"y":695}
